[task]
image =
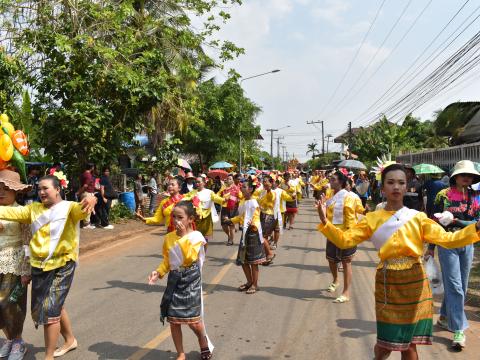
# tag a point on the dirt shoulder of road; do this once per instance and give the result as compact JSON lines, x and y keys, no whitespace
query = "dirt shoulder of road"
{"x":91,"y":239}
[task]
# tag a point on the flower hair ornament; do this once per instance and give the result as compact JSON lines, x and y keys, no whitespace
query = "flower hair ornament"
{"x":382,"y":163}
{"x":62,"y":178}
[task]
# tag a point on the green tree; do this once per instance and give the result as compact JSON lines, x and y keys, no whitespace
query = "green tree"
{"x":105,"y":71}
{"x":223,"y":115}
{"x":312,"y":148}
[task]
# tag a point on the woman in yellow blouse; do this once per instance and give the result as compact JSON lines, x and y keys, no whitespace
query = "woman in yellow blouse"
{"x":163,"y":215}
{"x":342,"y":209}
{"x":404,"y":307}
{"x":53,"y":254}
{"x":250,"y":250}
{"x":281,"y":197}
{"x":206,"y":211}
{"x":183,"y":256}
{"x":266,"y":200}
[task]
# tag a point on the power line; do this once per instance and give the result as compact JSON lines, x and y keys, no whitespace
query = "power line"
{"x":362,"y":73}
{"x":394,"y":48}
{"x":411,"y":66}
{"x":349,"y":67}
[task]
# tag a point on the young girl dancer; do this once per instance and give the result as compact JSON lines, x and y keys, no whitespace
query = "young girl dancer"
{"x":250,"y":251}
{"x":404,"y":307}
{"x":183,"y":256}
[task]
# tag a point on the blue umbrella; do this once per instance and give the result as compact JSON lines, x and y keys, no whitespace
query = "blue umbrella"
{"x":221,"y":165}
{"x":251,"y":172}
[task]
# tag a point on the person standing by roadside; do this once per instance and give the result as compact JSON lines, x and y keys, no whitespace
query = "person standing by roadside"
{"x":138,"y":192}
{"x":413,"y":198}
{"x":464,"y":204}
{"x":87,"y":188}
{"x":152,"y":193}
{"x":105,"y":197}
{"x":362,"y":187}
{"x":32,"y":180}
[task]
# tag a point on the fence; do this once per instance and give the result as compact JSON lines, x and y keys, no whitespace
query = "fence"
{"x":445,"y":157}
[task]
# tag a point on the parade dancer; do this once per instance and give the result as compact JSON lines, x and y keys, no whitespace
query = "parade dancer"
{"x":207,"y":214}
{"x":401,"y":286}
{"x":14,"y":270}
{"x":163,"y":214}
{"x":291,"y":206}
{"x":279,"y":211}
{"x":342,"y":208}
{"x":250,"y":250}
{"x":183,"y":257}
{"x":53,"y":257}
{"x":231,"y":193}
{"x":266,"y":200}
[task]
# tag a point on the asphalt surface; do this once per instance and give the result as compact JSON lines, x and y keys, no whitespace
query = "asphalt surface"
{"x":115,"y":314}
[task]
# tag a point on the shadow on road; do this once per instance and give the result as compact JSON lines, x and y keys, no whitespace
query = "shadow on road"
{"x":357,"y":328}
{"x":131,"y":286}
{"x":318,"y":268}
{"x":32,"y":351}
{"x":110,"y":351}
{"x":299,"y":294}
{"x":219,"y":261}
{"x":302,"y":248}
{"x":364,"y":263}
{"x":364,"y":248}
{"x":156,"y":256}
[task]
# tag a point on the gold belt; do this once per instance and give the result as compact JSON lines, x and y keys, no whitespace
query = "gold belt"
{"x":400,"y":263}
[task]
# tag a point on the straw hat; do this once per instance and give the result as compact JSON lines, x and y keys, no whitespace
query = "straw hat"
{"x":189,"y":175}
{"x":11,"y":180}
{"x":466,"y":167}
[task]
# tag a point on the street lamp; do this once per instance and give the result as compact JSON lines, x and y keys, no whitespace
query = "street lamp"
{"x":240,"y":131}
{"x":262,"y":74}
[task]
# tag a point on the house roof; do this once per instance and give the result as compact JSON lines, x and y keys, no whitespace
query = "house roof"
{"x":461,"y":121}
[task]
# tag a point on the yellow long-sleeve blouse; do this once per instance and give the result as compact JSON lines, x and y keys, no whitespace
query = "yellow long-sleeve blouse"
{"x":239,"y":218}
{"x":266,"y":201}
{"x":350,"y":210}
{"x":66,"y":249}
{"x":406,"y":242}
{"x":284,"y":197}
{"x":203,"y":211}
{"x":164,"y":211}
{"x":183,"y":249}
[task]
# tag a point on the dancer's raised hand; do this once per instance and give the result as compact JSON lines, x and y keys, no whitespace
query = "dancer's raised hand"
{"x":322,"y":209}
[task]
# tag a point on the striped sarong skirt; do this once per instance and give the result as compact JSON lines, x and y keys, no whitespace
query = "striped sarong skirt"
{"x":404,"y":308}
{"x":49,"y":292}
{"x":205,"y":226}
{"x":182,"y":299}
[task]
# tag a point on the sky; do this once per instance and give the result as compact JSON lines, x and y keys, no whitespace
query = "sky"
{"x":313,"y":42}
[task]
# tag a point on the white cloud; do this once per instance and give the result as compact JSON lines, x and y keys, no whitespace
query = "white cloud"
{"x":332,"y":11}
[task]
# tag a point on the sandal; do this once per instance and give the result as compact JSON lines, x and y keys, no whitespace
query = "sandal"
{"x":244,"y":287}
{"x":205,"y":354}
{"x":332,"y":287}
{"x":341,"y":299}
{"x":229,"y":242}
{"x":251,"y":290}
{"x":269,"y":260}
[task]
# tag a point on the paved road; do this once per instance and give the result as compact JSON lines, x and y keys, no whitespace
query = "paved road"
{"x":115,"y":313}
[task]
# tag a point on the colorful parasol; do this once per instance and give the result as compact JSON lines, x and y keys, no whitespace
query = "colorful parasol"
{"x":221,"y":165}
{"x":184,"y":164}
{"x":427,"y":169}
{"x":214,"y":173}
{"x":352,"y":164}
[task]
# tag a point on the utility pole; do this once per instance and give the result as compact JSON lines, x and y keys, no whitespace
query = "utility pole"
{"x":283,"y":157}
{"x":271,"y":141}
{"x":278,"y":145}
{"x":328,"y":140}
{"x":323,"y":136}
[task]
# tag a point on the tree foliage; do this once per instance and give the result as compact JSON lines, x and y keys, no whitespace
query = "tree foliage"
{"x":223,"y":115}
{"x":103,"y":71}
{"x":385,"y":137}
